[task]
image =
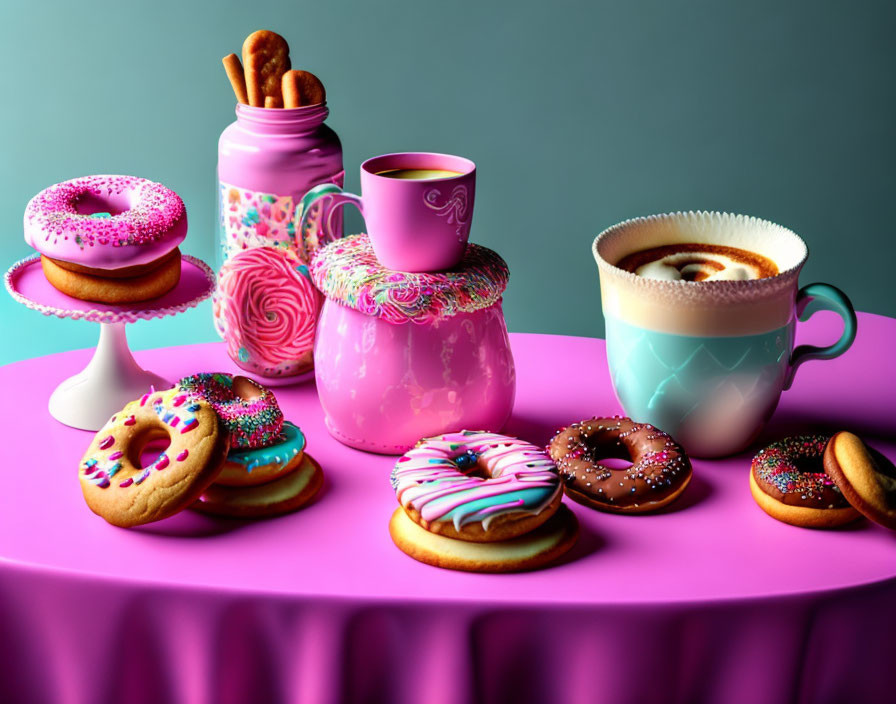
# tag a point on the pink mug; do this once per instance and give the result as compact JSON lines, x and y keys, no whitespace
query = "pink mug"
{"x":417,"y":220}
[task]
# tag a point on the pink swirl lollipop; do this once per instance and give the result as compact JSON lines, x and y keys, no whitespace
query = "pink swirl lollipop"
{"x":269,"y":308}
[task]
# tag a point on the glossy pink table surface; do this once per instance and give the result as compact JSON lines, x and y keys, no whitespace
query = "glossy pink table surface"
{"x":716,"y":547}
{"x":340,"y":545}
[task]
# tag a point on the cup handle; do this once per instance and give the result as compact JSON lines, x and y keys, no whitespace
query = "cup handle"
{"x":809,"y":300}
{"x":309,"y":242}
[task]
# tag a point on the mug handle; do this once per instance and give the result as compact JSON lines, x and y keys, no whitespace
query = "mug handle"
{"x":809,"y":300}
{"x":308,"y":245}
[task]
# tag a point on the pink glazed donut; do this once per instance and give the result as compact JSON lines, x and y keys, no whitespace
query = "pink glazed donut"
{"x":106,"y":222}
{"x":477,"y":486}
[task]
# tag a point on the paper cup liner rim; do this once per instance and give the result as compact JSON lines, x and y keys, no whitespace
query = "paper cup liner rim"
{"x":698,"y":286}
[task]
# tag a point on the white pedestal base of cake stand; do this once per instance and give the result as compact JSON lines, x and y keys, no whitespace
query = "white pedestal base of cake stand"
{"x":111,"y":379}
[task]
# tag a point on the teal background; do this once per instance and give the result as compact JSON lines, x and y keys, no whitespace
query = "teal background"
{"x":578,"y":115}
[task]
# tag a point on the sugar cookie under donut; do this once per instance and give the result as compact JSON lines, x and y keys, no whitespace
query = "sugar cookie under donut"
{"x":283,"y":495}
{"x":533,"y":550}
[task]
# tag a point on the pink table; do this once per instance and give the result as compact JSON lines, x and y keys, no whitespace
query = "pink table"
{"x":710,"y":601}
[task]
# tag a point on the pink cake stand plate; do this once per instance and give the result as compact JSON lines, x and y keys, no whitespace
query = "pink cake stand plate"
{"x":113,"y":377}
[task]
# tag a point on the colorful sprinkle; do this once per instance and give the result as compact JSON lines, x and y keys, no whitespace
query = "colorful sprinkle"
{"x":348,"y":272}
{"x":154,"y":210}
{"x":252,"y":423}
{"x":794,"y":467}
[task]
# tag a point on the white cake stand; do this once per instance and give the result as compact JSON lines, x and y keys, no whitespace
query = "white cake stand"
{"x":112,"y":378}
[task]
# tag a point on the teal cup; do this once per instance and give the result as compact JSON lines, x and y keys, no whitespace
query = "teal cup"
{"x":707,"y":361}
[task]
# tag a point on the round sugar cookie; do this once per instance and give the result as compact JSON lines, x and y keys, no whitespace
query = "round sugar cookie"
{"x":530,"y":551}
{"x":866,"y":478}
{"x":284,"y":495}
{"x":116,"y":484}
{"x":155,"y":282}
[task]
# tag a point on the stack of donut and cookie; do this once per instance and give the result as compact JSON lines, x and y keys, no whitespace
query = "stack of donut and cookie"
{"x":230,"y":453}
{"x":108,"y":239}
{"x":823,"y":481}
{"x":480,"y":502}
{"x":483,"y":502}
{"x":265,"y":79}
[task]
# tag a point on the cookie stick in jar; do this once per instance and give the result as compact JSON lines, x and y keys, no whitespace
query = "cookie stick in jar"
{"x":265,"y":60}
{"x":302,"y":88}
{"x":234,"y":70}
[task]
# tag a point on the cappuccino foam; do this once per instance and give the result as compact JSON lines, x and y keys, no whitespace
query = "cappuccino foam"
{"x":693,"y":261}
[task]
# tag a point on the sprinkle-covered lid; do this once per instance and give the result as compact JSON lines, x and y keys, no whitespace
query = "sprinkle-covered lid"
{"x":347,"y":271}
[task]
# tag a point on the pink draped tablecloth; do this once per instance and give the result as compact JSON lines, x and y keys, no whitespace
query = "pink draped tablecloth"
{"x":711,"y":601}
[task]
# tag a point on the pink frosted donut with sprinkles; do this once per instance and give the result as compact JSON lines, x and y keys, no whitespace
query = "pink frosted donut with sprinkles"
{"x":477,"y":486}
{"x":127,"y":485}
{"x":106,"y":222}
{"x":249,"y":410}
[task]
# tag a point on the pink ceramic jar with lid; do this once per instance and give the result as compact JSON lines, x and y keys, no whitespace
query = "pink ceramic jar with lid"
{"x":267,"y":160}
{"x":401,"y":356}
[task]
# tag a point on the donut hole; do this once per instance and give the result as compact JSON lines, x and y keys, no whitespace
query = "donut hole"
{"x":147,"y":446}
{"x":607,"y":451}
{"x":468,"y":464}
{"x":616,"y":462}
{"x":94,"y":204}
{"x":807,"y":465}
{"x":246,"y":389}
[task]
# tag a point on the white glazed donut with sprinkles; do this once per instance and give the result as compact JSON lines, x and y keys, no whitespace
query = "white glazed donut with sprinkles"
{"x":114,"y":481}
{"x":477,"y":486}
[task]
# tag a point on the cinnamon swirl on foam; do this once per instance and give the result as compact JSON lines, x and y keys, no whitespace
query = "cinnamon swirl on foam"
{"x":692,"y":261}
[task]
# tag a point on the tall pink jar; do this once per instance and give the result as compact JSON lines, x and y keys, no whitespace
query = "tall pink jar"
{"x":400,"y":356}
{"x":267,"y":160}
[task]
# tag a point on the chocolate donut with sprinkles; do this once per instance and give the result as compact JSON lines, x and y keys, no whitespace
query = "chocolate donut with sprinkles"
{"x":477,"y":486}
{"x":659,"y":472}
{"x":249,"y":410}
{"x":119,"y":487}
{"x":789,"y":482}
